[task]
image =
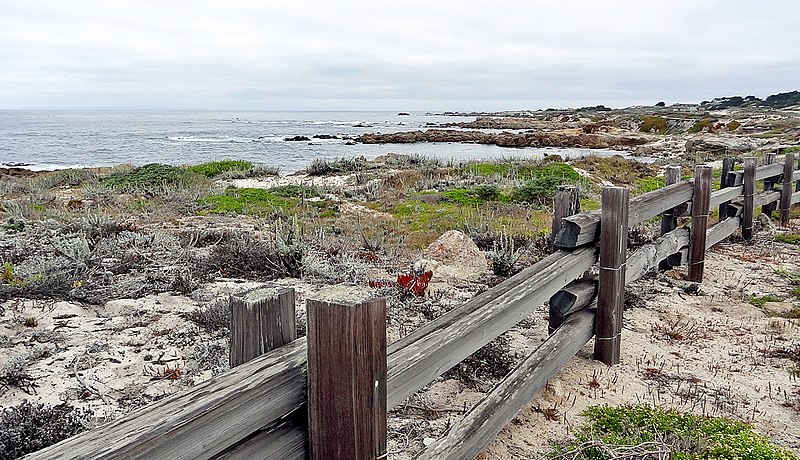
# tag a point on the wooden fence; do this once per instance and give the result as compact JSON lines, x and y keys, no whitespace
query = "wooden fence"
{"x":326,"y":396}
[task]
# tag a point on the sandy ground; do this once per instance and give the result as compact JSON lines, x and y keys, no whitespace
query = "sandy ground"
{"x":709,"y":352}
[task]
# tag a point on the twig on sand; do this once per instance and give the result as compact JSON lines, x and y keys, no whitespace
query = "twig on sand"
{"x":645,"y":451}
{"x":82,"y":382}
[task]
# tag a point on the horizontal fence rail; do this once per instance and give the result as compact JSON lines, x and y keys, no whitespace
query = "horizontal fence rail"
{"x":257,"y":410}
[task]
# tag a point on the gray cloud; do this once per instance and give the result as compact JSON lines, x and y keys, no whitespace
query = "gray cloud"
{"x":409,"y":55}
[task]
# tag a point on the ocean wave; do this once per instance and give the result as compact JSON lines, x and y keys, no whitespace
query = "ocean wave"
{"x":233,"y":140}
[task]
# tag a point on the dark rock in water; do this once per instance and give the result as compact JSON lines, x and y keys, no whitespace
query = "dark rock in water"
{"x":661,"y":104}
{"x":326,"y":136}
{"x":16,"y":165}
{"x":350,"y":143}
{"x":18,"y":172}
{"x":296,"y":139}
{"x":404,"y":114}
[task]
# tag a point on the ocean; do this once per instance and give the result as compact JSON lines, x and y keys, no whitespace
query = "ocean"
{"x":43,"y":140}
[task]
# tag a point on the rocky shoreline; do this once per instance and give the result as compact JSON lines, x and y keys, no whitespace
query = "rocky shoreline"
{"x":115,"y":281}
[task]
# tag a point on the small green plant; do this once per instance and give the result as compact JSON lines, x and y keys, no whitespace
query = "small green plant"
{"x":30,"y":321}
{"x":7,"y":275}
{"x":733,"y":125}
{"x":699,"y":125}
{"x":462,"y":197}
{"x":215,"y":168}
{"x":504,"y":256}
{"x":651,"y":124}
{"x":760,"y":301}
{"x":246,"y":201}
{"x":685,"y":436}
{"x":648,"y":184}
{"x":788,"y":238}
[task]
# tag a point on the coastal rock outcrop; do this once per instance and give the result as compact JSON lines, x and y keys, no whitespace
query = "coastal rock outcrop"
{"x":723,"y":144}
{"x":453,"y":255}
{"x":510,"y":139}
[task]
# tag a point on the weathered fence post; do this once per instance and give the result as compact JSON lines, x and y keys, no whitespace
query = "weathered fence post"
{"x":769,"y":184}
{"x":669,"y":218}
{"x":565,"y":204}
{"x":697,"y":233}
{"x":786,"y":193}
{"x":727,"y":166}
{"x":748,"y":190}
{"x":346,"y":374}
{"x":262,"y":319}
{"x":611,"y":286}
{"x":797,"y":187}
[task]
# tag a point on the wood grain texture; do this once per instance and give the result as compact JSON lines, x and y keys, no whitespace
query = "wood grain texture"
{"x":727,"y":166}
{"x":725,"y":195}
{"x":697,"y":233}
{"x":346,"y":379}
{"x":769,"y":182}
{"x":796,"y":176}
{"x":285,"y":441}
{"x":786,"y":192}
{"x":575,"y":296}
{"x":669,"y":218}
{"x":423,"y":355}
{"x":582,"y":229}
{"x":203,"y":421}
{"x":261,"y":320}
{"x":566,"y":203}
{"x":761,"y":173}
{"x":721,"y":231}
{"x":611,"y":285}
{"x":749,"y":188}
{"x":467,"y":437}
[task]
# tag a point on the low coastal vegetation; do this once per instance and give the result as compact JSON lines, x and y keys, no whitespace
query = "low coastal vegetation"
{"x":93,"y":236}
{"x":645,"y":432}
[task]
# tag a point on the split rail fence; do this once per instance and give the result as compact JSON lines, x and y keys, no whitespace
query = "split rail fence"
{"x":326,"y":396}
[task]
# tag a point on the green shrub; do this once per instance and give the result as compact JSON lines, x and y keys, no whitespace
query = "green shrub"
{"x":27,"y":427}
{"x":648,"y":184}
{"x":700,"y":124}
{"x":278,"y":256}
{"x":215,"y":168}
{"x":256,"y":201}
{"x":733,"y":125}
{"x":788,"y":238}
{"x":653,"y":124}
{"x":151,"y":175}
{"x":488,"y":192}
{"x":321,"y":166}
{"x":462,"y":197}
{"x":538,"y":191}
{"x":760,"y":301}
{"x":688,"y":436}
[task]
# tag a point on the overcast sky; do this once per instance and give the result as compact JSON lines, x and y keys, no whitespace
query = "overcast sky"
{"x":398,"y":55}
